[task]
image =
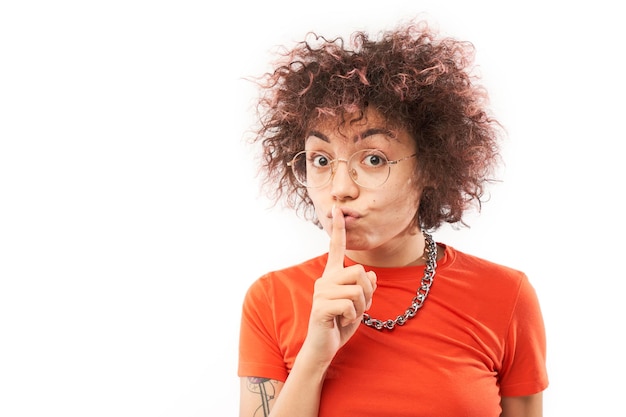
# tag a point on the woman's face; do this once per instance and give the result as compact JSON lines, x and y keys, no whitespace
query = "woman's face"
{"x":379,"y":221}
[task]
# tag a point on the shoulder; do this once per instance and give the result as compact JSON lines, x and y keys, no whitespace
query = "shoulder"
{"x":475,"y":267}
{"x":310,"y":268}
{"x":489,"y":285}
{"x":290,"y":278}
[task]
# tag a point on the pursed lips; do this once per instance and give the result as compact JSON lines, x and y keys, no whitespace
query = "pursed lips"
{"x":347,"y":213}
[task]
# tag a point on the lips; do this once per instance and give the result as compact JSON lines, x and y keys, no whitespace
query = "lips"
{"x":346,"y":213}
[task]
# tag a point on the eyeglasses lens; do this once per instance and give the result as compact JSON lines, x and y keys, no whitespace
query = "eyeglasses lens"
{"x":368,"y":168}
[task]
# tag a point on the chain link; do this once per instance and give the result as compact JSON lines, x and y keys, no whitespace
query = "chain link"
{"x":420,"y":296}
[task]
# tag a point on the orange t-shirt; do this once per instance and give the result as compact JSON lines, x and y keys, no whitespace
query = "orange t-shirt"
{"x":479,"y":336}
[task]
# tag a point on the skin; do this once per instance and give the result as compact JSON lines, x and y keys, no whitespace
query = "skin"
{"x":372,"y":227}
{"x":379,"y":222}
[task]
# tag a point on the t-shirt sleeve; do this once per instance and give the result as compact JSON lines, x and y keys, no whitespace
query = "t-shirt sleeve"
{"x":524,"y":364}
{"x":259,"y":351}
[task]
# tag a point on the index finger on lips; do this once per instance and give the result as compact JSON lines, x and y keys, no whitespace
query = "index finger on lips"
{"x":337,"y":249}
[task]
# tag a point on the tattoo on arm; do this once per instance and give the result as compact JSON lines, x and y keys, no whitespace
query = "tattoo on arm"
{"x":266,"y":390}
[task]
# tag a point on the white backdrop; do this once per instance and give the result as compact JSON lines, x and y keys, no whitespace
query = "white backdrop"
{"x":130,"y":219}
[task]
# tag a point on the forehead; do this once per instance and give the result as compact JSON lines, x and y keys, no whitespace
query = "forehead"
{"x":350,"y":122}
{"x":352,"y":127}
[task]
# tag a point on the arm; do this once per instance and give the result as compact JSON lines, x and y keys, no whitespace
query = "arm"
{"x":526,"y":406}
{"x":299,"y":395}
{"x":257,"y":396}
{"x":340,"y":297}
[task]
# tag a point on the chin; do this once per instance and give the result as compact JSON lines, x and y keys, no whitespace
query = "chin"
{"x":357,"y":244}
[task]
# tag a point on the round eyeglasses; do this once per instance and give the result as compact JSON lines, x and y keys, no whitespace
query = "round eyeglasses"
{"x":369,"y":168}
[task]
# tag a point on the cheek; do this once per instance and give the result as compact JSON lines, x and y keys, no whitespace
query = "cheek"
{"x":406,"y":195}
{"x":315,"y":199}
{"x":320,"y":213}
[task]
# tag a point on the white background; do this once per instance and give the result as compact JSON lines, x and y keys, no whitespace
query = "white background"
{"x":131,"y":223}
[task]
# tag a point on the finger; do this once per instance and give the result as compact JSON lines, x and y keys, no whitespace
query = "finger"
{"x":337,"y":249}
{"x":371,"y":275}
{"x":341,"y":312}
{"x":352,"y":283}
{"x":354,"y":293}
{"x":358,"y":294}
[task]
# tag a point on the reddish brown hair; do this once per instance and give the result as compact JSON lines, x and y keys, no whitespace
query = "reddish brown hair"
{"x":415,"y":80}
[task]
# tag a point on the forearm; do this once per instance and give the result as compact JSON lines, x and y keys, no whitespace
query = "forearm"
{"x":300,"y":395}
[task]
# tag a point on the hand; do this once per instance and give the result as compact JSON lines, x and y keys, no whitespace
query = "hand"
{"x":340,"y":298}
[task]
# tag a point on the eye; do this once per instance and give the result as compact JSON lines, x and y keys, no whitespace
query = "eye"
{"x":318,"y":160}
{"x":374,"y":159}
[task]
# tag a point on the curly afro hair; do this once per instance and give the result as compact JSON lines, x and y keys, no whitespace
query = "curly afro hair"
{"x":415,"y":80}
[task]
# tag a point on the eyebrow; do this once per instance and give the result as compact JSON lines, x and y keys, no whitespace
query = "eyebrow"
{"x":364,"y":135}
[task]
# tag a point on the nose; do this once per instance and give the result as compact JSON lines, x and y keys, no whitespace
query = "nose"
{"x":342,"y":183}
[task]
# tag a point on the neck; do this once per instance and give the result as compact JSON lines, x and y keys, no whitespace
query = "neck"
{"x":406,"y":251}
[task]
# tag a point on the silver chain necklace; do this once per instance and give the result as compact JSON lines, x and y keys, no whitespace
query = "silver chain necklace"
{"x":420,"y":297}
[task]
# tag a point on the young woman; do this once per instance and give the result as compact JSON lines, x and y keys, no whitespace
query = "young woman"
{"x":379,"y":142}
